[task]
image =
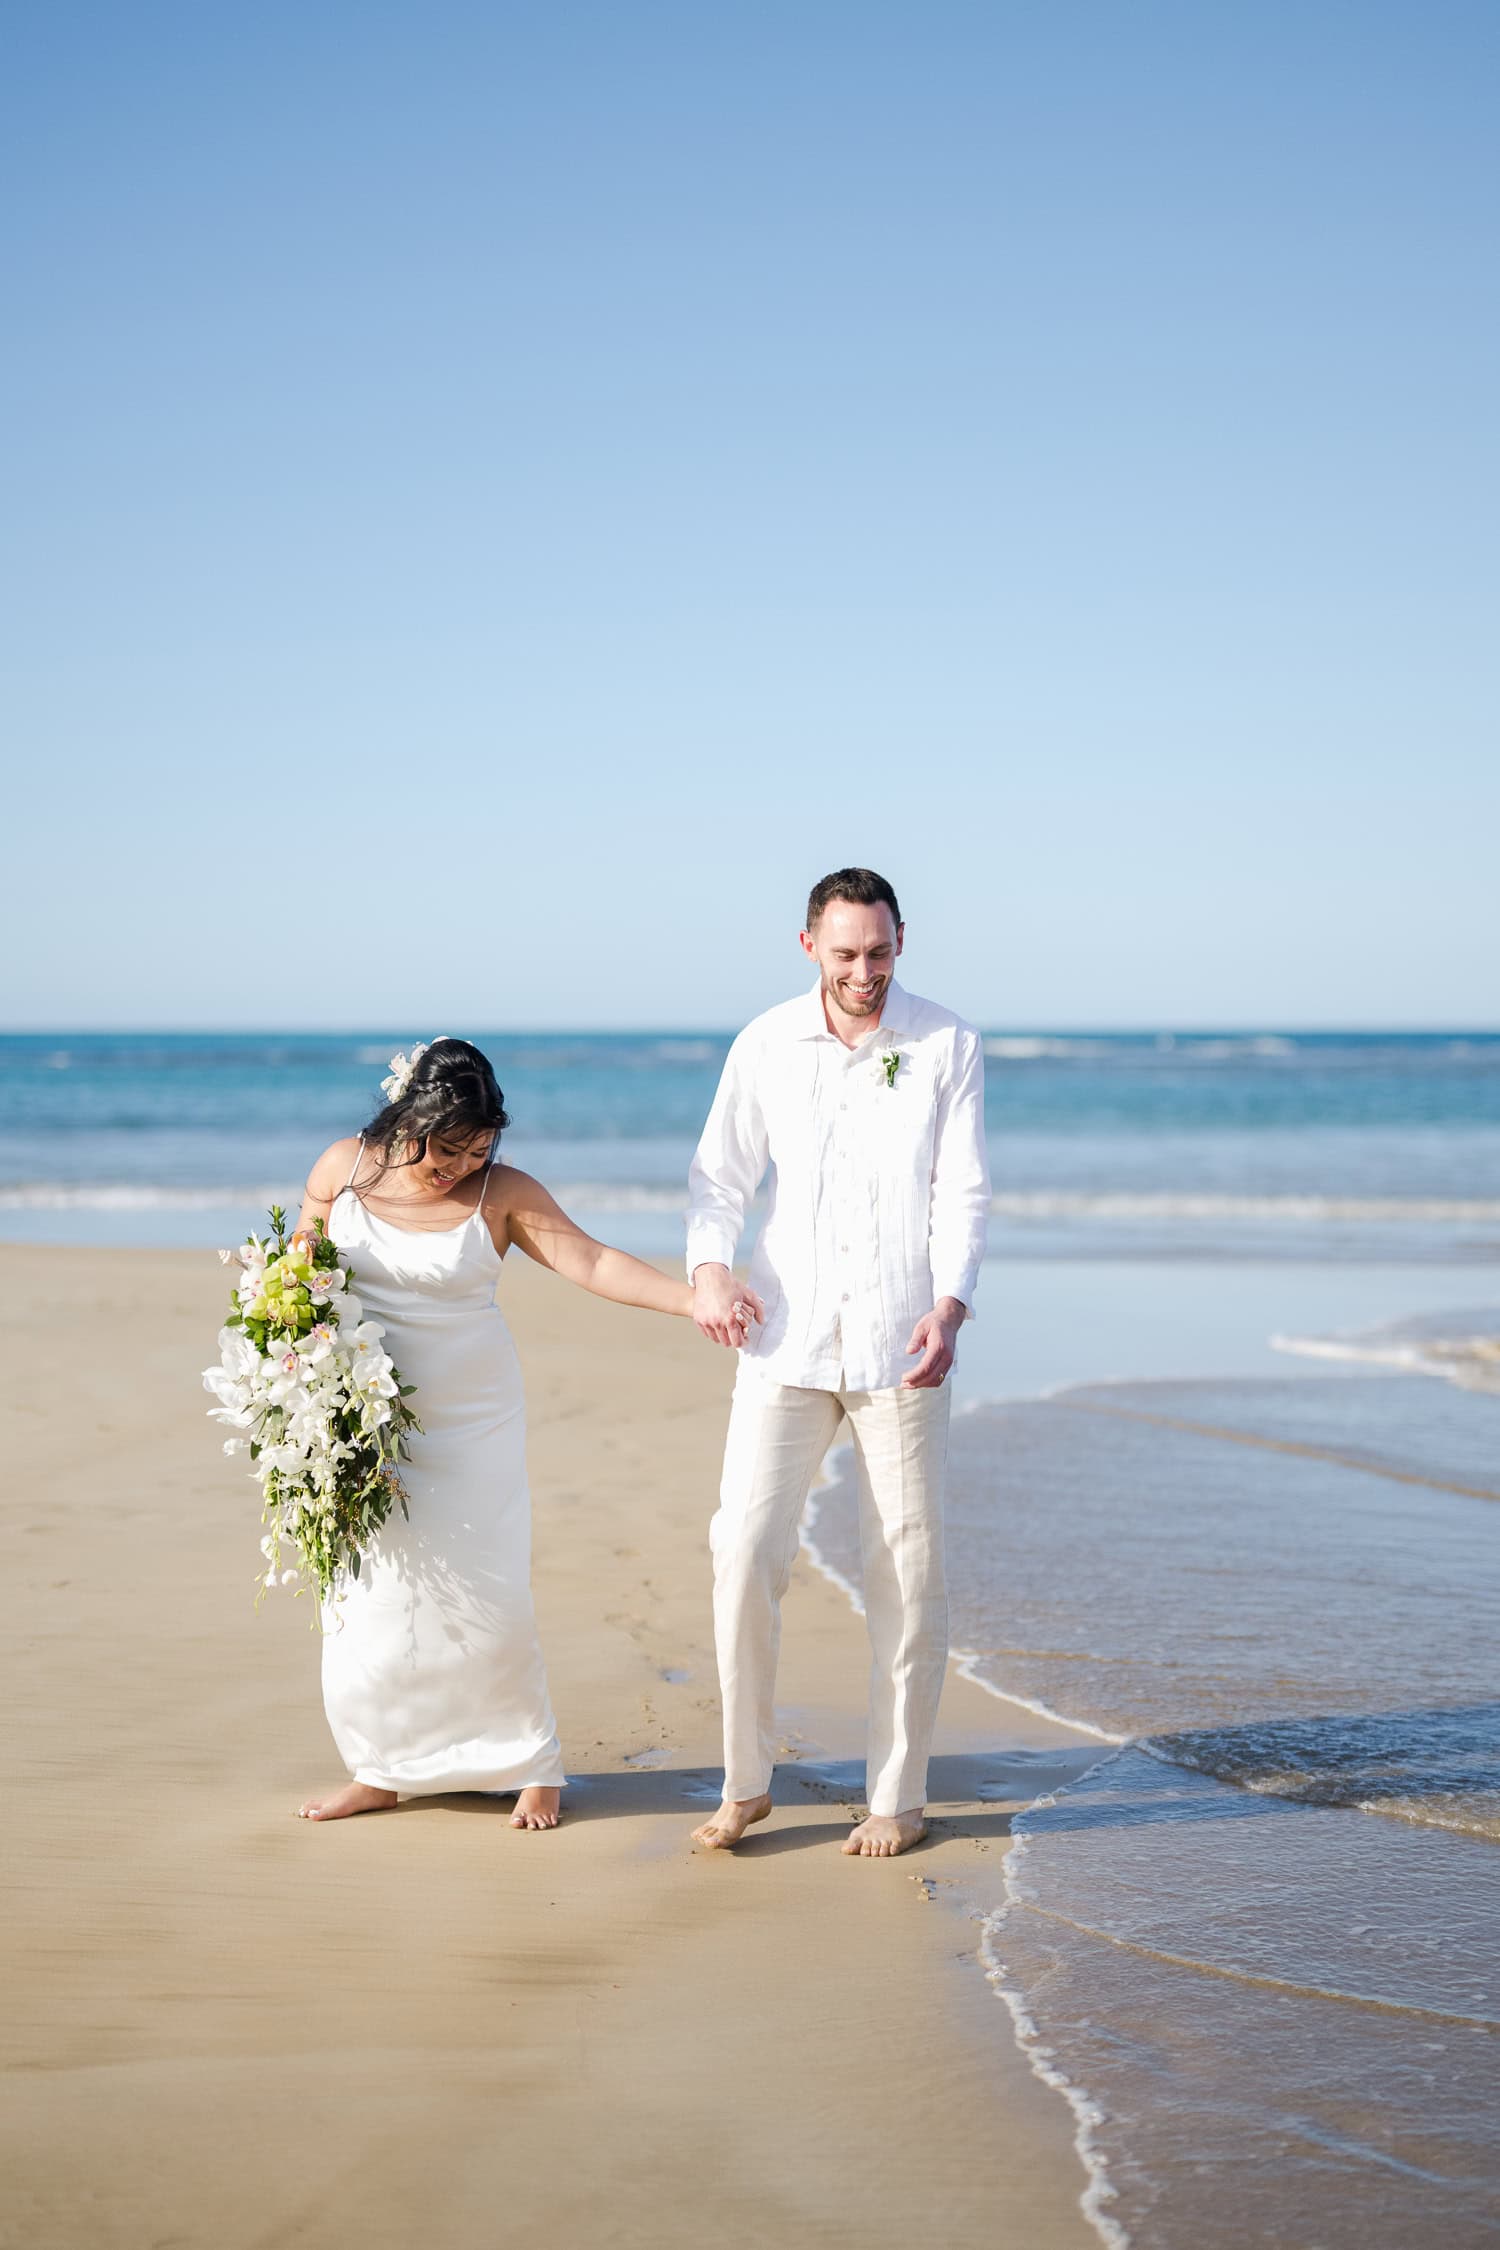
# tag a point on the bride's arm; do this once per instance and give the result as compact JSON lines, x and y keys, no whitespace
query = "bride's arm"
{"x":520,"y":1210}
{"x":324,"y":1183}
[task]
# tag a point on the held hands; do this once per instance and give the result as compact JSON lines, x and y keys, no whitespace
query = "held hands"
{"x":723,"y":1308}
{"x":935,"y":1337}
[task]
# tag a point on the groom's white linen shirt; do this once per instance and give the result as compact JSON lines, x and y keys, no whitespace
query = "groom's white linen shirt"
{"x":880,"y":1193}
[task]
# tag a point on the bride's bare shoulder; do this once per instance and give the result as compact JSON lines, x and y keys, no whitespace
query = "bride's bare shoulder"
{"x":508,"y":1185}
{"x":513,"y":1197}
{"x":331,"y":1171}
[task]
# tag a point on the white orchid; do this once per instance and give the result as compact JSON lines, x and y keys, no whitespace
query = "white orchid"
{"x":402,"y":1067}
{"x":233,"y":1382}
{"x":320,"y":1344}
{"x":283,"y":1376}
{"x":237,"y":1403}
{"x":237,"y":1355}
{"x":371,"y":1372}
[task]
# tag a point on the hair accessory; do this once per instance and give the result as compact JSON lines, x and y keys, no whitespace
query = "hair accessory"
{"x":395,"y":1087}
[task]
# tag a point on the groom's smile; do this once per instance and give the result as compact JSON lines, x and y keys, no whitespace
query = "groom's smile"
{"x":855,"y":947}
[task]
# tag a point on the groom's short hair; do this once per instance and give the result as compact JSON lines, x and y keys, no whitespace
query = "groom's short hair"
{"x":861,"y":886}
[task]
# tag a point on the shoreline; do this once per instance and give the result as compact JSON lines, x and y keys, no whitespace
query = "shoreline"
{"x":989,"y":1905}
{"x":225,"y":2022}
{"x":1107,"y":1843}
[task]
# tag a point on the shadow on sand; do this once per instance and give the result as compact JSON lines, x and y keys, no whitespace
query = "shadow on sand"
{"x":971,"y":1797}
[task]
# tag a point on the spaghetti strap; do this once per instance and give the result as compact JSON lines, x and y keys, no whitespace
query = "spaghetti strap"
{"x":358,"y":1154}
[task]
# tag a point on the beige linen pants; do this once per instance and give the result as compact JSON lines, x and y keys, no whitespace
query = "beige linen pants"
{"x":777,"y":1437}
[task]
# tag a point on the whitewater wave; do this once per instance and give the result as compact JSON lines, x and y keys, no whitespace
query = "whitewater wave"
{"x":106,"y":1195}
{"x":1172,"y":1046}
{"x":1176,"y":1048}
{"x":1463,"y":1347}
{"x":1436,"y":1768}
{"x":59,"y":1195}
{"x":1037,"y":1048}
{"x":641,"y":1195}
{"x":1088,"y":2115}
{"x":1298,"y":1209}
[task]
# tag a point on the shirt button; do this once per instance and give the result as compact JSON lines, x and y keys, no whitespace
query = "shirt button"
{"x":845,"y":1298}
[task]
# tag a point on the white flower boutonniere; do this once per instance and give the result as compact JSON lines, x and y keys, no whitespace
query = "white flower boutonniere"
{"x":890,"y":1063}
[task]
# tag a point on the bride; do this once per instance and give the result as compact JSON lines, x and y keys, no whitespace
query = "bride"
{"x":432,"y":1677}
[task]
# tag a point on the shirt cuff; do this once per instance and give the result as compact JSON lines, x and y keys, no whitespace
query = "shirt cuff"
{"x":708,"y":1245}
{"x":962,"y":1286}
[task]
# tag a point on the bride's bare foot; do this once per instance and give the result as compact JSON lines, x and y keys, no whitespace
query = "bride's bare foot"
{"x":729,"y":1823}
{"x":356,"y":1797}
{"x":885,"y":1834}
{"x":536,"y":1808}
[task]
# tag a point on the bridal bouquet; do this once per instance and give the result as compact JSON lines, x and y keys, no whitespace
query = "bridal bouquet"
{"x":320,"y":1408}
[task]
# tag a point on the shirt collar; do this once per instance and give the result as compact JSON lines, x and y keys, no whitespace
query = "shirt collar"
{"x":895,"y":1018}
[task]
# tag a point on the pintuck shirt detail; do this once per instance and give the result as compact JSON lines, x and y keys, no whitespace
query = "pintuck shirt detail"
{"x":880,"y":1186}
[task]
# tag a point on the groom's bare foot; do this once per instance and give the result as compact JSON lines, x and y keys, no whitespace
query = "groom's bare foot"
{"x":729,"y":1823}
{"x":536,"y":1808}
{"x":357,"y":1797}
{"x":885,"y":1834}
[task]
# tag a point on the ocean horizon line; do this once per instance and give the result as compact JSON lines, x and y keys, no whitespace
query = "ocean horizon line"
{"x":998,"y":1030}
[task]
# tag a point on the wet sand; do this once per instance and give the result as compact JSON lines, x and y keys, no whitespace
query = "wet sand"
{"x":228,"y":2026}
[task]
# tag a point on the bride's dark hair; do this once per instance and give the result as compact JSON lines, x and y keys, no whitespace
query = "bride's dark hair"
{"x":451,"y":1092}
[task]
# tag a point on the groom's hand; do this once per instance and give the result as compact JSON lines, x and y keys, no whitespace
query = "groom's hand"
{"x":723,"y":1307}
{"x":935,"y":1337}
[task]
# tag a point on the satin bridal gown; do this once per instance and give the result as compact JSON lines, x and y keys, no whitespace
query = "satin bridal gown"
{"x":432,"y":1676}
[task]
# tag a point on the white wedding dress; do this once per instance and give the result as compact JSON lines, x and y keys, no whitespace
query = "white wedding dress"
{"x":432,"y":1676}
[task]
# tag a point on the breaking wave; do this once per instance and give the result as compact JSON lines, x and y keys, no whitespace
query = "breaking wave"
{"x":1462,"y":1346}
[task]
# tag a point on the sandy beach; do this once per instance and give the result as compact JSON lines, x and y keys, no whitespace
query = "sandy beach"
{"x":228,"y":2026}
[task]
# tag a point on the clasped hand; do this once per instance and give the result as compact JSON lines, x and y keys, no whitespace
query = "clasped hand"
{"x":723,"y":1308}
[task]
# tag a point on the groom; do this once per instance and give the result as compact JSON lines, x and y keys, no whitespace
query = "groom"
{"x":869,"y":1104}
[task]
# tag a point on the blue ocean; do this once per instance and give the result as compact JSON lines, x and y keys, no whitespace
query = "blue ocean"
{"x":1224,"y":1495}
{"x":1343,"y":1144}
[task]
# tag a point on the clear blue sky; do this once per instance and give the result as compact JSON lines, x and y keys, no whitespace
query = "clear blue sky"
{"x":499,"y":498}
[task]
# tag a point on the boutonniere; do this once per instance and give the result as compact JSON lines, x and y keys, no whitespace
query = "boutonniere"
{"x":890,"y":1063}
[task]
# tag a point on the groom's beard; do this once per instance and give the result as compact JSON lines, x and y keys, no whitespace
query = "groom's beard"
{"x":851,"y":1004}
